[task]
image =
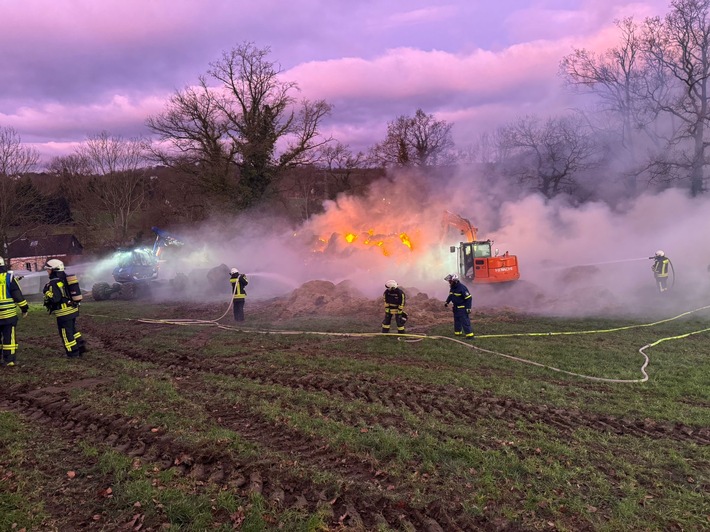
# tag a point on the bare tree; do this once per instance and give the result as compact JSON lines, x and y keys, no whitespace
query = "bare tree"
{"x":195,"y":129}
{"x":15,"y":159}
{"x":678,"y":46}
{"x":118,"y":176}
{"x":339,"y":164}
{"x":18,"y":210}
{"x":246,"y":131}
{"x":619,"y":78}
{"x":420,"y":141}
{"x":548,"y":155}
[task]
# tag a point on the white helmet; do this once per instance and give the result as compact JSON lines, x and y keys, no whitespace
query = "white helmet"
{"x":451,"y":277}
{"x":660,"y":253}
{"x":233,"y":271}
{"x":391,"y":284}
{"x":54,"y":265}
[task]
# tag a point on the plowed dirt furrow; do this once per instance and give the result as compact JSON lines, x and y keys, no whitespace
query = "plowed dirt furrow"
{"x":366,"y":495}
{"x":315,"y":451}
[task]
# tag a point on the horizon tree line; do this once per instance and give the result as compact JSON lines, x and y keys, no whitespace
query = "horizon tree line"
{"x":240,"y":139}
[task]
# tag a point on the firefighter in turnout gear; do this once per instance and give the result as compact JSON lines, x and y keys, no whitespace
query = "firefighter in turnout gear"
{"x":461,"y":299}
{"x":10,"y":298}
{"x":660,"y":267}
{"x":394,"y":306}
{"x":59,"y":302}
{"x":238,"y":282}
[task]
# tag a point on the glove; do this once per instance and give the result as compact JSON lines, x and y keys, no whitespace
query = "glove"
{"x":446,"y":305}
{"x":468,"y":311}
{"x":24,"y":312}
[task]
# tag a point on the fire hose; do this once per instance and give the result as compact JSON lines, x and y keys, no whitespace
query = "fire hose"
{"x":421,"y":337}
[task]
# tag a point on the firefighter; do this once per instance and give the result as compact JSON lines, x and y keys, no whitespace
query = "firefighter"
{"x":238,"y":282}
{"x":394,"y":299}
{"x":660,"y":267}
{"x":461,"y":299}
{"x":10,"y":298}
{"x":58,"y":301}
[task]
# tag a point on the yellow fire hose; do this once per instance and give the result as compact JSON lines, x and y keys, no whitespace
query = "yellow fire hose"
{"x":420,"y":337}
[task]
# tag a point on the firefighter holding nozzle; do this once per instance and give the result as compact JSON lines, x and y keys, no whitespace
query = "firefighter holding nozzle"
{"x":238,"y":282}
{"x":394,"y":306}
{"x":660,"y":267}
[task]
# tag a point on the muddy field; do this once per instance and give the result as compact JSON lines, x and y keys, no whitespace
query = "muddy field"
{"x":296,"y":470}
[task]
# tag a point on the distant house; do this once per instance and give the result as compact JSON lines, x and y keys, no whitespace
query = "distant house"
{"x":32,"y":252}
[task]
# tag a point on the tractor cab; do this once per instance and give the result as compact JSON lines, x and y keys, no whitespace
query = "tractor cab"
{"x":135,"y":265}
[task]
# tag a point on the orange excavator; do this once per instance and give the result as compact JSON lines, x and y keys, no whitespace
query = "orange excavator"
{"x":477,"y":261}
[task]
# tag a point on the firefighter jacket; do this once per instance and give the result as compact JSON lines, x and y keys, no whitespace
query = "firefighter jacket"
{"x":239,"y":282}
{"x":394,"y":300}
{"x":10,"y":296}
{"x":660,"y":266}
{"x":459,"y":296}
{"x":56,"y":296}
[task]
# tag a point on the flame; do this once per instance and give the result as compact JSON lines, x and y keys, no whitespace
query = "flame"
{"x":396,"y":244}
{"x":405,"y":240}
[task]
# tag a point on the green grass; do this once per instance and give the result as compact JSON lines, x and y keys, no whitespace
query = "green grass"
{"x":377,"y":404}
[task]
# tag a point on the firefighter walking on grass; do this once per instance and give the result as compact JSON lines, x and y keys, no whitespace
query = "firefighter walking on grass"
{"x":460,"y":298}
{"x":58,"y":301}
{"x":394,"y":306}
{"x":10,"y":298}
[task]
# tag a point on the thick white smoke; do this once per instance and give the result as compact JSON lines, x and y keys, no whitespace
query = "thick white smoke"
{"x":574,"y":260}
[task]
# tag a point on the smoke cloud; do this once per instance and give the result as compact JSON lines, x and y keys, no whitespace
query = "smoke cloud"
{"x":574,"y":260}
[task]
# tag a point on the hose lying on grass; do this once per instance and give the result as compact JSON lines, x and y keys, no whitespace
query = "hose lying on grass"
{"x":421,"y":337}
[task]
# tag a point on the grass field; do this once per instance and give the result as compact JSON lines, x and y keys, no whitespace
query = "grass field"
{"x":198,"y":427}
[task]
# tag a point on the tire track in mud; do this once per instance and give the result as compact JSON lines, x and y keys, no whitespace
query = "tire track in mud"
{"x":438,"y":401}
{"x":355,"y":505}
{"x":361,"y":500}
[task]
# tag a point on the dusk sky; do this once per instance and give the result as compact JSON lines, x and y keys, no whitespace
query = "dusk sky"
{"x":74,"y":68}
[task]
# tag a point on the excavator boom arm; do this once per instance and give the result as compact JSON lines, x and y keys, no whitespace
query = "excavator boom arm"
{"x":462,"y":224}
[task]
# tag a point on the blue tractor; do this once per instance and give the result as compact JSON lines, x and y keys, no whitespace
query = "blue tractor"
{"x":136,"y":269}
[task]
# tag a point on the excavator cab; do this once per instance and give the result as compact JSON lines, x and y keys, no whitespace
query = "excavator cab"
{"x":477,"y":260}
{"x":479,"y":263}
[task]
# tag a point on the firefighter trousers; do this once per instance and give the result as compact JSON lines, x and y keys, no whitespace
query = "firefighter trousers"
{"x":388,"y":320}
{"x":71,"y":338}
{"x":462,"y":322}
{"x":238,"y":305}
{"x":9,"y":343}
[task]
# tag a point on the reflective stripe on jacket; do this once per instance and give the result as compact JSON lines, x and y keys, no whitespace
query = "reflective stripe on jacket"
{"x":394,"y":299}
{"x":10,"y":296}
{"x":239,"y":282}
{"x":660,"y":267}
{"x":460,"y":296}
{"x":56,"y":297}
